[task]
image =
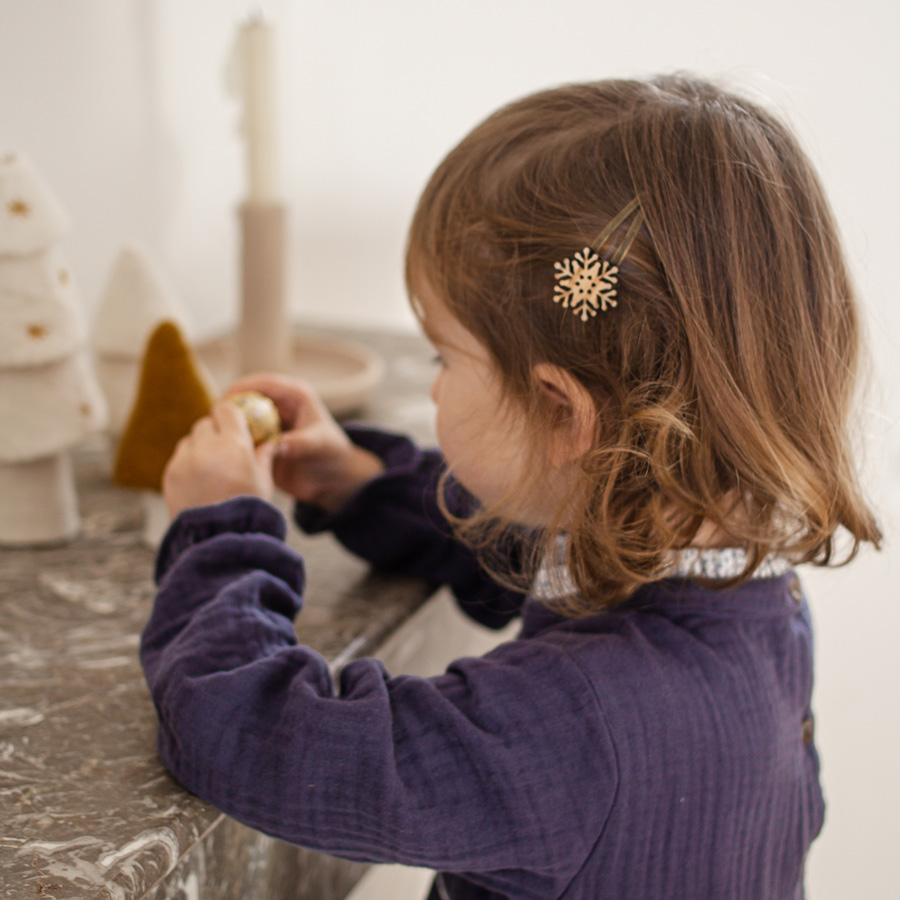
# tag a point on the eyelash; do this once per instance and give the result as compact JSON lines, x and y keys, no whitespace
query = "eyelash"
{"x":438,"y":360}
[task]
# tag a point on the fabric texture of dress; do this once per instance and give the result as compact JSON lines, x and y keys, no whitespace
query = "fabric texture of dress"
{"x":658,"y":750}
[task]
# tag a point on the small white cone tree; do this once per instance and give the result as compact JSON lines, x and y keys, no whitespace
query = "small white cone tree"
{"x":49,"y":397}
{"x":136,"y":298}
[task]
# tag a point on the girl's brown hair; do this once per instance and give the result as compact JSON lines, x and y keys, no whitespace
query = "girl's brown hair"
{"x":723,"y":380}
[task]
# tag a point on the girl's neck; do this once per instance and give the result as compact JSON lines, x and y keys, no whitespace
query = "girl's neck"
{"x":712,"y":537}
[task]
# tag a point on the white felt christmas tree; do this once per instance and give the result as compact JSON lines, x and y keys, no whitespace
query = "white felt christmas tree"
{"x":136,"y":299}
{"x":49,"y":397}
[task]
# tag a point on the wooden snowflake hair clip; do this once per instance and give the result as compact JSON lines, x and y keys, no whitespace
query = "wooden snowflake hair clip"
{"x":587,"y":283}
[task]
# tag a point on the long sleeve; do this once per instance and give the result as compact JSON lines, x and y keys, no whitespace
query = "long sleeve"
{"x":468,"y":771}
{"x":395,"y":523}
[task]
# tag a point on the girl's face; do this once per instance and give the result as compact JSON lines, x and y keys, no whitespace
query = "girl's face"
{"x":481,"y":434}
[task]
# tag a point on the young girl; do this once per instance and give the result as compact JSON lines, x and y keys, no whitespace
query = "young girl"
{"x":647,"y":342}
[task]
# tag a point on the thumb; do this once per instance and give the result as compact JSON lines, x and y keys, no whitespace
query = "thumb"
{"x":292,"y":444}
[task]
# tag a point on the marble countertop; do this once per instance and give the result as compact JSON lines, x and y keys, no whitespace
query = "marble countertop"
{"x":86,"y":809}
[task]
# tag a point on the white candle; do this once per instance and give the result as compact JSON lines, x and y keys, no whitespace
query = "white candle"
{"x":254,"y":74}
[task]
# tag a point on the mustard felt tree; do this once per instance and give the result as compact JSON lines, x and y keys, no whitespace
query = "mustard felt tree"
{"x":49,"y":397}
{"x":173,"y":392}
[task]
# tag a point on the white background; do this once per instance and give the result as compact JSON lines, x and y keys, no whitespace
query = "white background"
{"x":122,"y":105}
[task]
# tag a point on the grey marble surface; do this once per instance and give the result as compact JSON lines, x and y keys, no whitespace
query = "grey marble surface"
{"x":86,"y":809}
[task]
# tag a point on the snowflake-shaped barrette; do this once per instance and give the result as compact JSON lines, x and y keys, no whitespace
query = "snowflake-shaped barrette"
{"x":586,"y":284}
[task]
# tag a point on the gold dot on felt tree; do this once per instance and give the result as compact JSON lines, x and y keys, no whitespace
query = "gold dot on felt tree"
{"x":8,"y":159}
{"x":19,"y":208}
{"x":37,"y":331}
{"x":85,"y":409}
{"x":64,"y":276}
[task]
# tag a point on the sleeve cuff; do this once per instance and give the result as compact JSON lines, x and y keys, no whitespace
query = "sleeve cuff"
{"x":240,"y":515}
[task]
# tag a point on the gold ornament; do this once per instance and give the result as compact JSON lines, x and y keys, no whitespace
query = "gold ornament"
{"x":261,"y":415}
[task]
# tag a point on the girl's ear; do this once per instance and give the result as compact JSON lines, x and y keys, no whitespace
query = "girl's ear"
{"x":573,"y":413}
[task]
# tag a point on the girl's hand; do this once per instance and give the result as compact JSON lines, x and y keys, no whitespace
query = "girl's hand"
{"x":217,"y":461}
{"x":315,"y":461}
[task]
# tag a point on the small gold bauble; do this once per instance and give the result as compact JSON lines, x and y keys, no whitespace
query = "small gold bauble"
{"x":261,"y":415}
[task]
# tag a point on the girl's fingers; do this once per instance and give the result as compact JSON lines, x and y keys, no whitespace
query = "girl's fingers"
{"x":203,"y":427}
{"x":291,"y":397}
{"x":304,"y":444}
{"x":229,"y":419}
{"x":292,"y":443}
{"x":281,"y":390}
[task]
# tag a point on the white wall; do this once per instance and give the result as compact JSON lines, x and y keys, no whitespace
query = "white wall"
{"x":122,"y":105}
